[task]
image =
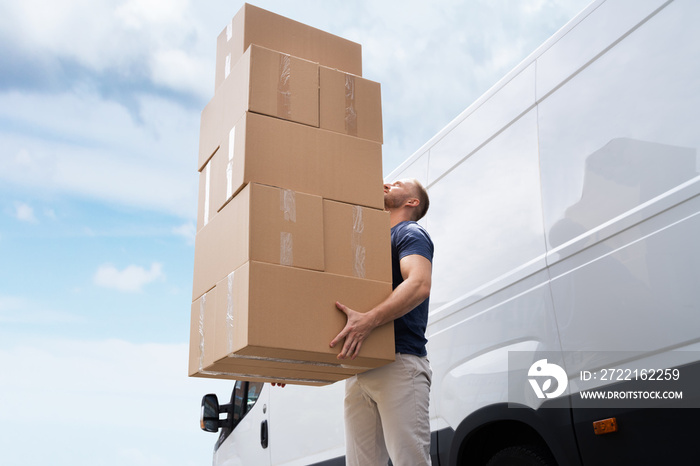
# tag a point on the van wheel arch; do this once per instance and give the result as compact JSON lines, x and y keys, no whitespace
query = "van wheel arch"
{"x":492,"y":429}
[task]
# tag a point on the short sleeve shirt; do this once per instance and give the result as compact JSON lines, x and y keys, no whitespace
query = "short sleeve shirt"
{"x":408,"y":238}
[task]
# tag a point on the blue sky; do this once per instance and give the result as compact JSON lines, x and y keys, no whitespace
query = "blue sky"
{"x":99,"y":123}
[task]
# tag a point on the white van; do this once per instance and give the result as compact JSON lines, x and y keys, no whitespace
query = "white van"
{"x":565,"y":309}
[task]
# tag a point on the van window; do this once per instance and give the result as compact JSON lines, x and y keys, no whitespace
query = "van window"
{"x":245,"y":395}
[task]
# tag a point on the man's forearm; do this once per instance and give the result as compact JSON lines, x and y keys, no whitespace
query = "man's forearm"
{"x":414,"y":289}
{"x":405,"y":297}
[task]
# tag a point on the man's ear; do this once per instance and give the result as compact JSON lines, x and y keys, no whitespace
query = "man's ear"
{"x":413,"y":202}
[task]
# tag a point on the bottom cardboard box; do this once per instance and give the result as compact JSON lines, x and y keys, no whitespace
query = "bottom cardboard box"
{"x":277,"y":312}
{"x":273,"y":322}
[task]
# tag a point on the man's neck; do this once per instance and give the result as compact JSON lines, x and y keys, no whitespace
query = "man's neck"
{"x":397,"y":216}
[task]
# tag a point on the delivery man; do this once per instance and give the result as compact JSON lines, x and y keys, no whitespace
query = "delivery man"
{"x":386,"y":409}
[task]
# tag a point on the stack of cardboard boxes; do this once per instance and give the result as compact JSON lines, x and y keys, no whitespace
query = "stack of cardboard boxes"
{"x":290,"y":213}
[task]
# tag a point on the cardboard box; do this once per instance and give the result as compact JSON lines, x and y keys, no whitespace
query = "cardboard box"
{"x":210,"y":130}
{"x":266,"y":82}
{"x":253,"y":25}
{"x":260,"y":223}
{"x":357,"y":241}
{"x":261,"y":149}
{"x":203,"y":362}
{"x":272,"y":311}
{"x":350,"y":104}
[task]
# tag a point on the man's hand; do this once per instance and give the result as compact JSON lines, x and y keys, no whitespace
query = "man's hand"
{"x":358,"y":327}
{"x":415,"y":288}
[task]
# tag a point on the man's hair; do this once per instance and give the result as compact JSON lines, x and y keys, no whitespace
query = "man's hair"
{"x":424,"y":201}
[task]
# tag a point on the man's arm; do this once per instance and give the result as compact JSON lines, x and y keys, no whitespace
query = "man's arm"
{"x":416,"y":271}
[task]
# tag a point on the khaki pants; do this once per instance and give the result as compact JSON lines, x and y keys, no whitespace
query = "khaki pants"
{"x":386,"y":414}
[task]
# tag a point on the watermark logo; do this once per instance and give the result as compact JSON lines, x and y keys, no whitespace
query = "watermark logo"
{"x":546,"y":372}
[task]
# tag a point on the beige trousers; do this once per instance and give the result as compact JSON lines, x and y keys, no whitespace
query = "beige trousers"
{"x":386,"y":414}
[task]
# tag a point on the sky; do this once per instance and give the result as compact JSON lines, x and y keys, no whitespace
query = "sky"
{"x":100,"y":103}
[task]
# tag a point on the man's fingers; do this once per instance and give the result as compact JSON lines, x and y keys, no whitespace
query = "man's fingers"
{"x":357,"y":350}
{"x":348,"y":349}
{"x":351,"y":346}
{"x":343,"y":333}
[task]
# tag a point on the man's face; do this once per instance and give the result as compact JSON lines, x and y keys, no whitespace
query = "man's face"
{"x":397,"y":193}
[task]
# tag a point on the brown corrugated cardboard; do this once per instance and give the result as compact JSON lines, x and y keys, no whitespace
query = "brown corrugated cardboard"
{"x":261,"y":223}
{"x":203,"y":201}
{"x":357,"y":241}
{"x":350,"y":104}
{"x":203,"y":362}
{"x":210,"y":129}
{"x":212,"y":190}
{"x":253,"y":25}
{"x":266,"y":82}
{"x":294,"y":379}
{"x":281,"y":153}
{"x":270,"y":366}
{"x":202,"y":332}
{"x":271,"y":311}
{"x":271,"y":83}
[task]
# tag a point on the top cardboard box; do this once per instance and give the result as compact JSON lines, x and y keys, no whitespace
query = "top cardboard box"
{"x":253,"y":25}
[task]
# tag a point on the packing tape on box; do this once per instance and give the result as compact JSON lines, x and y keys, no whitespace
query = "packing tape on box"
{"x":286,"y":249}
{"x":229,"y":164}
{"x":358,"y":226}
{"x":284,"y":104}
{"x":229,"y":311}
{"x":207,"y":186}
{"x":202,"y":306}
{"x":350,"y":113}
{"x":229,"y":35}
{"x":288,"y":206}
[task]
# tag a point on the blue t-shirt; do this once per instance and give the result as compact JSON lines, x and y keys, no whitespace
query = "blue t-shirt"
{"x":408,"y":238}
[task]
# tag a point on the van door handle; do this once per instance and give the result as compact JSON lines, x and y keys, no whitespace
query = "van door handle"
{"x":263,"y":434}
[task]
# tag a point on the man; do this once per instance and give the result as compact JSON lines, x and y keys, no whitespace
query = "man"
{"x":386,"y":409}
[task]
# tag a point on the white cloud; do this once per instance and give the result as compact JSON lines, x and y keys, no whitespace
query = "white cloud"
{"x":25,"y":213}
{"x":105,"y":35}
{"x":138,"y":14}
{"x":108,"y":402}
{"x":131,"y":279}
{"x":181,"y":71}
{"x":148,"y":164}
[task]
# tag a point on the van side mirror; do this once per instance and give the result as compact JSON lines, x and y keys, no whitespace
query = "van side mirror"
{"x":209,"y":417}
